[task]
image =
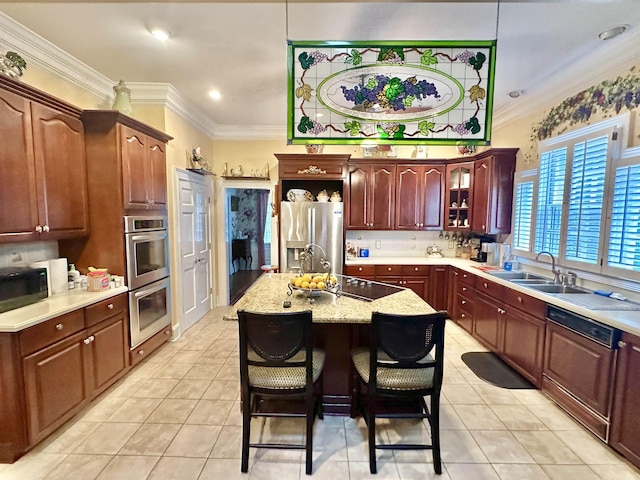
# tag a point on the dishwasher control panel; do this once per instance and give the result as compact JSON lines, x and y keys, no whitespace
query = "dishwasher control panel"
{"x":598,"y":332}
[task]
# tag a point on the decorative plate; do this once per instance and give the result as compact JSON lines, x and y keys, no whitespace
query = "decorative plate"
{"x":299,"y":195}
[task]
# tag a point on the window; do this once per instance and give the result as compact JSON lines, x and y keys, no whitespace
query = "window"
{"x":584,"y":201}
{"x":522,"y":214}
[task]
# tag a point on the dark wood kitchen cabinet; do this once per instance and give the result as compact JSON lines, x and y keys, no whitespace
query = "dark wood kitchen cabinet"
{"x":419,"y":197}
{"x":415,"y":277}
{"x":463,"y":295}
{"x":493,"y":191}
{"x":126,"y":176}
{"x":625,"y":422}
{"x":371,"y":196}
{"x":459,"y":196}
{"x":53,"y":369}
{"x":438,"y":287}
{"x":44,"y":178}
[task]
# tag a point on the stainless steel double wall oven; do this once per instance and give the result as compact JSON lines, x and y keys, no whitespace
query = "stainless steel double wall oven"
{"x":147,"y":249}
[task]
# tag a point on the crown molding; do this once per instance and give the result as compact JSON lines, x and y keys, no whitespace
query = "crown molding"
{"x":46,"y":56}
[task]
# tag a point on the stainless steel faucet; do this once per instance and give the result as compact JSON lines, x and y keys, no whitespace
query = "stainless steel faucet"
{"x":554,"y":270}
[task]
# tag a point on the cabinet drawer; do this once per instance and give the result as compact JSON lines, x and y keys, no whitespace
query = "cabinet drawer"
{"x":39,"y":336}
{"x":389,"y":270}
{"x":100,"y":311}
{"x":464,"y":289}
{"x":416,"y":270}
{"x":463,"y":303}
{"x":489,"y":288}
{"x":464,"y":277}
{"x":360,"y":270}
{"x":524,"y":302}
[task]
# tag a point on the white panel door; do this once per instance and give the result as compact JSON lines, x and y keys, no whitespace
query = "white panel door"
{"x":195,"y":254}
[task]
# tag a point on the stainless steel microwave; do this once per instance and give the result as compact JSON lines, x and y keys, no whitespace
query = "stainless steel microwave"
{"x":20,"y":286}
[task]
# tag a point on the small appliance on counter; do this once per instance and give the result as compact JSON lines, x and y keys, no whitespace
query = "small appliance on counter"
{"x":20,"y":286}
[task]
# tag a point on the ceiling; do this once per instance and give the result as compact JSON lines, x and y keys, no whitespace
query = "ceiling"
{"x":239,"y":48}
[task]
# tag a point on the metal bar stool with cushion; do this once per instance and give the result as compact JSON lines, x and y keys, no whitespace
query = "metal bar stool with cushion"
{"x":405,"y":368}
{"x":277,"y":359}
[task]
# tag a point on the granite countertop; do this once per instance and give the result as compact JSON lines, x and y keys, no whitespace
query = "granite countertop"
{"x":269,"y":292}
{"x":55,"y":305}
{"x":627,"y":321}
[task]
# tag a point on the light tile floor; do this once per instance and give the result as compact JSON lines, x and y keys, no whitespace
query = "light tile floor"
{"x":177,"y":416}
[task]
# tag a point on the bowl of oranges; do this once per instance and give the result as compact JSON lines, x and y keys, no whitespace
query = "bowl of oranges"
{"x":313,"y":284}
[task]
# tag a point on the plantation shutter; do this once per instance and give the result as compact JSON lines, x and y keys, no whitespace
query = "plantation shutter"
{"x":550,"y":195}
{"x":586,"y":195}
{"x":522,"y":216}
{"x":624,"y":237}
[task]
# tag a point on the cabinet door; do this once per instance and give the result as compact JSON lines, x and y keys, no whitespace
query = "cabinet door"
{"x":459,"y":196}
{"x":55,"y":385}
{"x":581,"y":366}
{"x":432,"y":208}
{"x":437,"y":296}
{"x":382,"y":199}
{"x":625,"y":422}
{"x":109,"y":353}
{"x":61,"y":173}
{"x":420,"y":285}
{"x":409,"y":198}
{"x":488,"y":322}
{"x":358,"y":208}
{"x":481,"y":187}
{"x":158,"y":177}
{"x":18,"y":201}
{"x":524,"y":343}
{"x":135,"y":168}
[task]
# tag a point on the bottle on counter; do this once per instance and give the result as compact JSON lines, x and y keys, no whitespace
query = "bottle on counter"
{"x":73,"y":276}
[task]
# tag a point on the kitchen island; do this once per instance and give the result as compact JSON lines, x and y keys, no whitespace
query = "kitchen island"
{"x":341,"y":323}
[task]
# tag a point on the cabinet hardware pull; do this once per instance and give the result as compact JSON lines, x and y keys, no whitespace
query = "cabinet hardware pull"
{"x":388,"y":269}
{"x":416,"y":269}
{"x":484,"y":227}
{"x":87,"y":341}
{"x":462,"y":315}
{"x":59,"y":326}
{"x":485,"y":285}
{"x":464,"y":275}
{"x":110,"y":306}
{"x":167,"y":332}
{"x":464,"y":289}
{"x":520,"y":299}
{"x":359,"y":269}
{"x":38,"y":229}
{"x":45,"y":228}
{"x":140,"y":352}
{"x":621,"y":344}
{"x":463,"y":302}
{"x":455,"y":273}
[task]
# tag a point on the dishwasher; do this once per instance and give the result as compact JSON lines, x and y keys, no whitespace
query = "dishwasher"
{"x":579,"y":358}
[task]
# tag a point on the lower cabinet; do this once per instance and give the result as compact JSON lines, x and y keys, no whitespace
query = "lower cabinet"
{"x":488,"y":322}
{"x":437,"y":294}
{"x":625,"y":422}
{"x":523,"y":344}
{"x":57,"y":367}
{"x":415,"y":277}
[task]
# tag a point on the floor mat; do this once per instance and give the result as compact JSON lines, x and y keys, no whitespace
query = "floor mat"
{"x":491,"y":369}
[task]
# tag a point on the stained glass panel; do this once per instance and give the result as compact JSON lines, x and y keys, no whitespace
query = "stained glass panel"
{"x":438,"y":92}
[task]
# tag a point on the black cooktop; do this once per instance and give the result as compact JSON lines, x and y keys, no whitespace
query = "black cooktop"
{"x":367,"y":290}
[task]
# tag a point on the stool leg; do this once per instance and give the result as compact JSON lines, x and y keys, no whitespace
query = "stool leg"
{"x":246,"y":430}
{"x":310,"y":407}
{"x":371,"y":427}
{"x":435,"y":432}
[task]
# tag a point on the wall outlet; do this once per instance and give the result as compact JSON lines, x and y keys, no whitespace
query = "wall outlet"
{"x":16,"y":257}
{"x":358,"y":237}
{"x":413,"y":237}
{"x":378,"y":244}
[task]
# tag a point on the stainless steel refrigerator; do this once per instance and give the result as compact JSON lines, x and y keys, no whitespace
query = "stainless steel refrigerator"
{"x":304,"y":223}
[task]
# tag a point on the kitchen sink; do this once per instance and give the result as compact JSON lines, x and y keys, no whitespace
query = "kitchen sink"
{"x":552,"y":288}
{"x":518,"y":276}
{"x":531,"y":281}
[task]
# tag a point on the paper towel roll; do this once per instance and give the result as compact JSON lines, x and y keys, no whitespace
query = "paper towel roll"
{"x":59,"y":281}
{"x":44,"y":264}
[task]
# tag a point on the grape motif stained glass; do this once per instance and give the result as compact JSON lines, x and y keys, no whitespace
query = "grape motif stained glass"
{"x":437,"y":92}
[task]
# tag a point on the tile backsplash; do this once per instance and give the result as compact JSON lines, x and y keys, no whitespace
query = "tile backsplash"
{"x":24,"y":254}
{"x":383,"y":243}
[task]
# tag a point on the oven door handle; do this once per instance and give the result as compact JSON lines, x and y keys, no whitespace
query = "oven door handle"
{"x":144,"y":293}
{"x":148,"y":236}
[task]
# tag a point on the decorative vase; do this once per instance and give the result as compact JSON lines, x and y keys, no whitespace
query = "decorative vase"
{"x":122,"y":102}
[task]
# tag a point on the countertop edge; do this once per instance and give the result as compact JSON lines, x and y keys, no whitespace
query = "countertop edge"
{"x":627,"y":321}
{"x":22,"y":318}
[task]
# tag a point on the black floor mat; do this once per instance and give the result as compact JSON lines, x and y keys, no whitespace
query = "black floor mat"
{"x":491,"y":369}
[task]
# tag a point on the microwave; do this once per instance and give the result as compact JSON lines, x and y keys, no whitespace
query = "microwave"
{"x":20,"y":286}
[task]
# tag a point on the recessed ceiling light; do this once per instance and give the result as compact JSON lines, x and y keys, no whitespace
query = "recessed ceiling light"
{"x":215,"y":94}
{"x":160,"y":34}
{"x":516,"y":93}
{"x":612,"y":32}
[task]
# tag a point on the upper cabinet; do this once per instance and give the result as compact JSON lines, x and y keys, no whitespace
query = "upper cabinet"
{"x":459,"y":196}
{"x":493,"y":191}
{"x":129,"y":157}
{"x":144,"y":177}
{"x":371,"y":196}
{"x":44,"y":177}
{"x":419,"y":197}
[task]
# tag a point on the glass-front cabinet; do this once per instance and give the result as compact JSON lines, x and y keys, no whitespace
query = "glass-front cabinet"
{"x":459,"y":196}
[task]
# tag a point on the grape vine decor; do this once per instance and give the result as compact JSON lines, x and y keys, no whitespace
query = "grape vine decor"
{"x":390,"y":92}
{"x":607,"y":98}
